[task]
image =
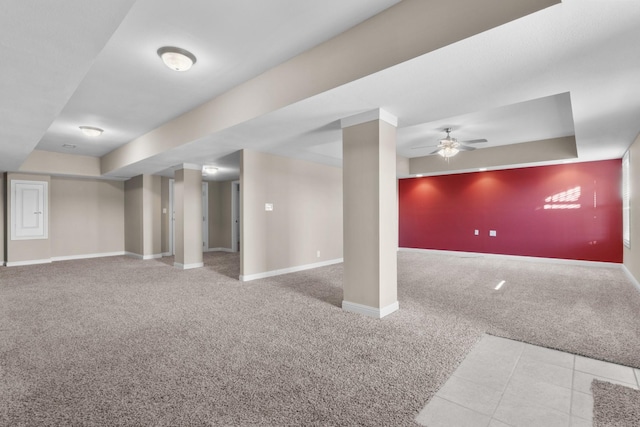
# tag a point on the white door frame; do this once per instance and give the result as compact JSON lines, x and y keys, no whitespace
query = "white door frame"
{"x":172,"y":219}
{"x":235,"y":215}
{"x":205,"y":217}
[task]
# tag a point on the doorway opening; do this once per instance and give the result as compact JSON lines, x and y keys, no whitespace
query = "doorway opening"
{"x":172,"y":219}
{"x":205,"y":217}
{"x":235,"y":216}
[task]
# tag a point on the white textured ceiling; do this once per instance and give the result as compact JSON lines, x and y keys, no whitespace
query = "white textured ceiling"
{"x":46,"y":50}
{"x":128,"y":92}
{"x":573,"y":68}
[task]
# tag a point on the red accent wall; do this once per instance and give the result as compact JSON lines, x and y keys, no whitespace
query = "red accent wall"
{"x":571,"y":211}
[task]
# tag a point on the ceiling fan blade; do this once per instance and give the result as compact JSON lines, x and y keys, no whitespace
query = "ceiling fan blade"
{"x":423,"y":146}
{"x":434,"y":152}
{"x":465,"y":148}
{"x":474,"y":141}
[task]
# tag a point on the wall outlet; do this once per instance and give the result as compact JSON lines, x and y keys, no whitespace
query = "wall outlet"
{"x":318,"y":254}
{"x":492,"y":233}
{"x":476,"y":232}
{"x":268,"y":206}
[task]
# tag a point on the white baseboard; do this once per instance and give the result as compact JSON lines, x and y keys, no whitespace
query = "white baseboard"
{"x":249,"y":277}
{"x":29,"y":262}
{"x":377,"y":313}
{"x":143,"y":257}
{"x":631,"y":277}
{"x":188,"y":266}
{"x":86,"y":256}
{"x":221,"y":250}
{"x":167,"y":254}
{"x":515,"y":257}
{"x":62,"y":258}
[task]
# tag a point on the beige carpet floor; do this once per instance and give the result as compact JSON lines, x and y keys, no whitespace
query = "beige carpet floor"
{"x":615,"y":405}
{"x":118,"y":341}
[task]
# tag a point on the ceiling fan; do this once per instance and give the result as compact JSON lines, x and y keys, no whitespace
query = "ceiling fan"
{"x":450,"y":146}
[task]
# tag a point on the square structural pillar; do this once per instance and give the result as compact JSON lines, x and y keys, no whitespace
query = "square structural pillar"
{"x":188,"y":221}
{"x":370,"y":213}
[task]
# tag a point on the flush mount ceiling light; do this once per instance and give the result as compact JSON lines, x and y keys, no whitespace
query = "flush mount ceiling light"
{"x":91,"y":131}
{"x":177,"y":59}
{"x":209,"y":170}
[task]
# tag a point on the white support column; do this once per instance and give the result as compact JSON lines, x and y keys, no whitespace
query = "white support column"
{"x":188,"y":222}
{"x":370,"y":217}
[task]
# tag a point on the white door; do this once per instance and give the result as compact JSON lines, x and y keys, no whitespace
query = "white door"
{"x":205,"y":216}
{"x":29,"y":209}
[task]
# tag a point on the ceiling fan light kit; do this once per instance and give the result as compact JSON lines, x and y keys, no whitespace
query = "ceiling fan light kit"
{"x":450,"y":146}
{"x":447,"y":152}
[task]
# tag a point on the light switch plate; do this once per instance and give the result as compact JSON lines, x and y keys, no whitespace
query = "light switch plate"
{"x":476,"y":232}
{"x":492,"y":233}
{"x":268,"y":206}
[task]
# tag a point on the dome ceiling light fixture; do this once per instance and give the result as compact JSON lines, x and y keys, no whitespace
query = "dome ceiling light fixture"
{"x":176,"y":58}
{"x":91,"y":131}
{"x":209,"y":170}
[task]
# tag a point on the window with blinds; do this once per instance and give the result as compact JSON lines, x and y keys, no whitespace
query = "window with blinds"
{"x":626,"y":195}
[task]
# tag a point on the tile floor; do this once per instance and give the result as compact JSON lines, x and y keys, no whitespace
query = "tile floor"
{"x":509,"y":383}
